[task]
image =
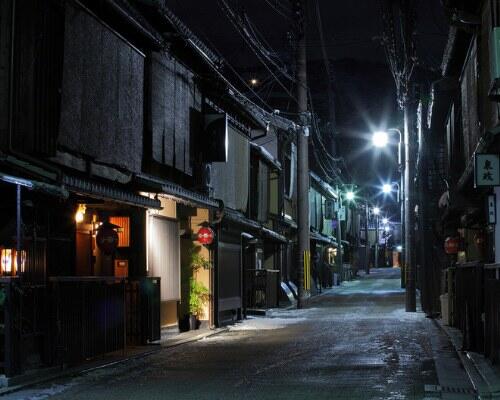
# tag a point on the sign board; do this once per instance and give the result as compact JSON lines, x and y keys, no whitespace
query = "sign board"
{"x":492,"y":209}
{"x":341,"y":213}
{"x":486,"y":170}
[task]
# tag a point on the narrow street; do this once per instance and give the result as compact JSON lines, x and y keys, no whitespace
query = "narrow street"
{"x":353,"y":342}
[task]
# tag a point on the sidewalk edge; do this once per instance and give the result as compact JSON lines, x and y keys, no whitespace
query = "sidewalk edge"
{"x":75,"y":371}
{"x":475,"y":376}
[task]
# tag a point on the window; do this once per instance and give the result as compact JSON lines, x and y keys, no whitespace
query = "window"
{"x":124,"y":231}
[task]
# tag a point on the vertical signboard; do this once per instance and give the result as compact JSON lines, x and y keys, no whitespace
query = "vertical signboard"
{"x":492,"y":209}
{"x":486,"y":170}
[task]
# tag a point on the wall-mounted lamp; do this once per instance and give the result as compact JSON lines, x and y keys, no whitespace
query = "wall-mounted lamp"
{"x":80,"y":213}
{"x":8,"y":261}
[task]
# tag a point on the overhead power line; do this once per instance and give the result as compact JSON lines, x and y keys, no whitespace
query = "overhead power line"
{"x":262,"y":54}
{"x":280,"y":9}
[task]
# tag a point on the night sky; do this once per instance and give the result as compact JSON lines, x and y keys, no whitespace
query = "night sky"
{"x":364,"y":92}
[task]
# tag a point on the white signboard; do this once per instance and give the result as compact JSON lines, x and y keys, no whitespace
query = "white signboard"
{"x":341,"y":213}
{"x":492,"y":209}
{"x":487,"y":170}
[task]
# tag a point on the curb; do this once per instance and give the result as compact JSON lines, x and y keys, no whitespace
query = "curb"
{"x":474,"y":373}
{"x":75,"y":371}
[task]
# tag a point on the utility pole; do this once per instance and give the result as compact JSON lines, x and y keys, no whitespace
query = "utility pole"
{"x":367,"y":247}
{"x":402,"y":225}
{"x":401,"y":58}
{"x":410,"y":294}
{"x":375,"y":260}
{"x":340,"y":260}
{"x":303,"y":253}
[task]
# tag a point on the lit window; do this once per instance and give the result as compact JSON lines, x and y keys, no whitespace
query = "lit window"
{"x":123,"y":231}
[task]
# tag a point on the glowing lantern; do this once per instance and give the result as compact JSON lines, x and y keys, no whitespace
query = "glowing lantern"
{"x":8,"y":261}
{"x":80,"y":213}
{"x":451,"y":245}
{"x":205,"y":235}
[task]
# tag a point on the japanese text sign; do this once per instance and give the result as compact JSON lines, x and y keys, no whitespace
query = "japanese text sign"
{"x":492,"y":209}
{"x":487,"y":170}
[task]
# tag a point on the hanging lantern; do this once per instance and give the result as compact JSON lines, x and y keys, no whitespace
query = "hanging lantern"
{"x":205,"y":235}
{"x":451,"y":245}
{"x":6,"y":260}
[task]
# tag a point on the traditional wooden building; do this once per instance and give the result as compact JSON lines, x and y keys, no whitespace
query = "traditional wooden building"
{"x":462,"y":123}
{"x":119,"y":139}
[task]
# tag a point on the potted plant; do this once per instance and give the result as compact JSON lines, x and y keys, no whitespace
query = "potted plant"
{"x":194,"y":292}
{"x":198,"y":296}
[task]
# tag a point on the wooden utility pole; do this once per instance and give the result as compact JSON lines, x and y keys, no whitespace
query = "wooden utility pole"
{"x":303,"y":253}
{"x":410,"y":298}
{"x":340,"y":257}
{"x":367,"y":247}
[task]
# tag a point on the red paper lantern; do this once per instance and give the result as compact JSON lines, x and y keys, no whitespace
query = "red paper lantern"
{"x":451,"y":245}
{"x":205,"y":235}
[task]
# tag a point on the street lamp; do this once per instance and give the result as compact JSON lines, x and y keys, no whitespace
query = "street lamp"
{"x":380,"y":139}
{"x":376,"y":211}
{"x":385,"y":221}
{"x":403,"y":190}
{"x":387,"y":188}
{"x":350,"y":195}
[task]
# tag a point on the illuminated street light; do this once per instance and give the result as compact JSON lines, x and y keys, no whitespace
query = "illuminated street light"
{"x":380,"y":139}
{"x":387,"y":188}
{"x":385,"y":221}
{"x":376,"y":211}
{"x":350,"y":195}
{"x":254,"y":82}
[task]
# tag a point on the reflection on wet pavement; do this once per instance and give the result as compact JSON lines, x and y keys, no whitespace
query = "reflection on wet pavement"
{"x":353,"y":342}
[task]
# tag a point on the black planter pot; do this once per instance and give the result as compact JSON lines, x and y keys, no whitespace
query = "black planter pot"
{"x":194,"y":323}
{"x":189,"y":323}
{"x":184,"y":323}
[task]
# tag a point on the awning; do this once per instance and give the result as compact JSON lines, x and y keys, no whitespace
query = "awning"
{"x":239,"y":218}
{"x":290,"y":222}
{"x":273,"y":235}
{"x":176,"y":192}
{"x":327,"y":190}
{"x":265,"y":155}
{"x":47,"y":188}
{"x":318,"y":237}
{"x":104,"y":191}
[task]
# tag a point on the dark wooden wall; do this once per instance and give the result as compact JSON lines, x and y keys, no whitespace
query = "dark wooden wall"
{"x":102,"y":93}
{"x":173,"y":94}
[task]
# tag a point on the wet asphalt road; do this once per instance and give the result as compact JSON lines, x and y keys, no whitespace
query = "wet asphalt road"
{"x":355,"y":342}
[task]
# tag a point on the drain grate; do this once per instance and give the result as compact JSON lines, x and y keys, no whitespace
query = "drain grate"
{"x":449,"y":389}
